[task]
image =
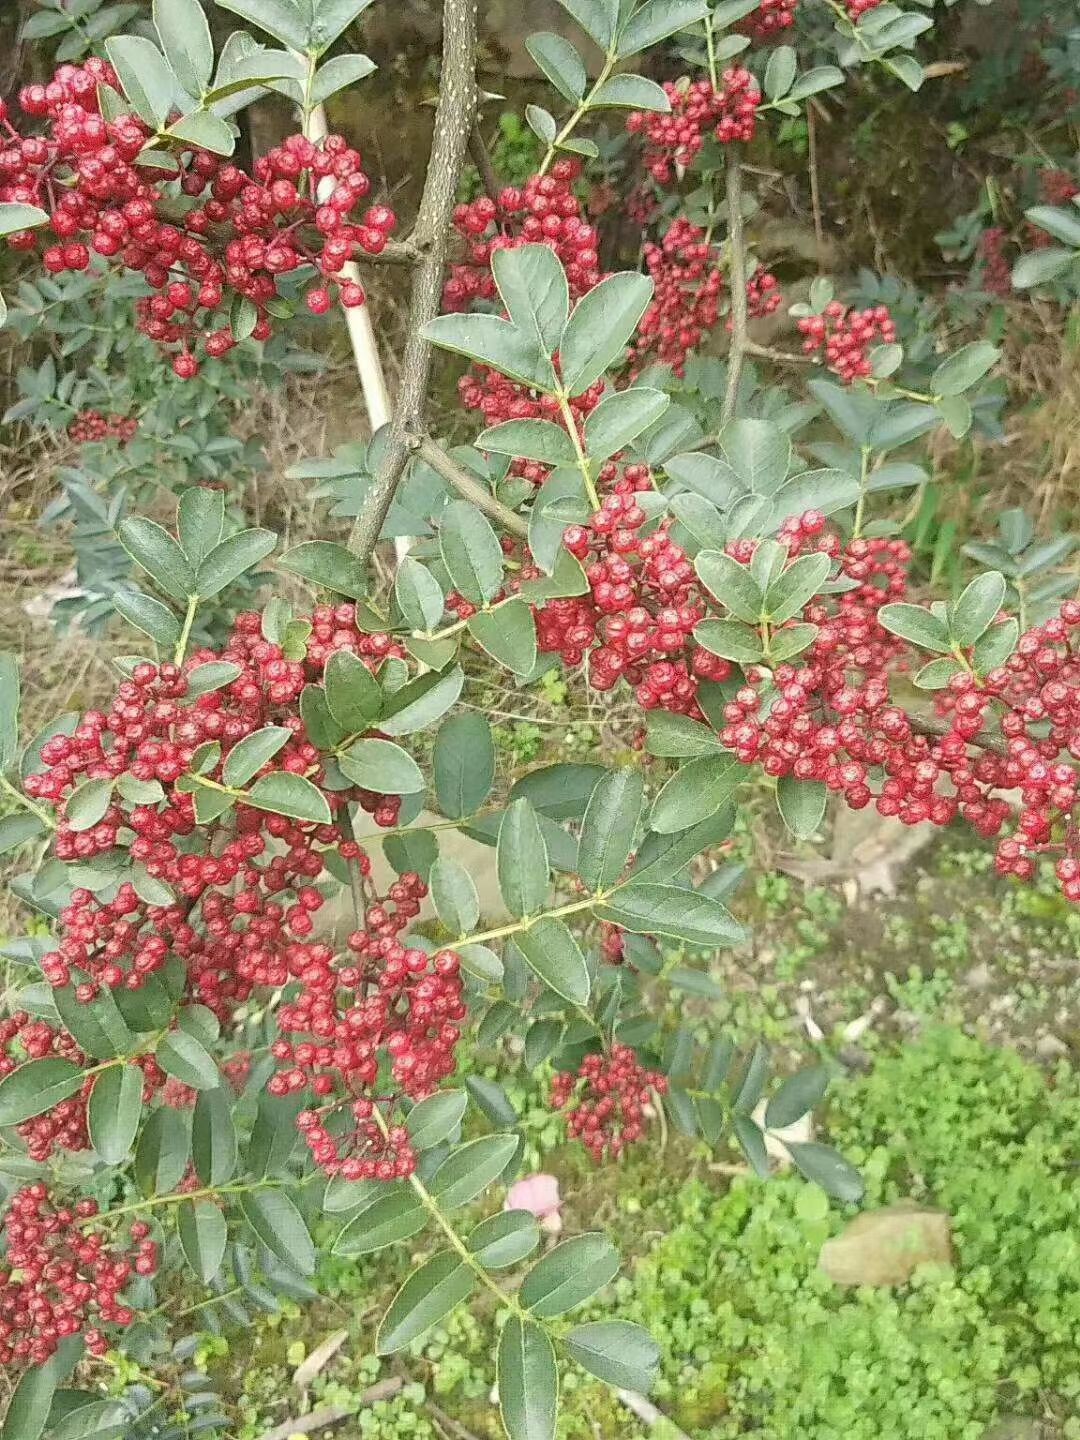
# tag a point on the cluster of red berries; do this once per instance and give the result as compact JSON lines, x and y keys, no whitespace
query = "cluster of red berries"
{"x":546,"y":211}
{"x":498,"y":399}
{"x":294,"y":211}
{"x":612,"y":943}
{"x":763,"y":295}
{"x":637,"y":621}
{"x":675,"y":138}
{"x":246,"y":894}
{"x":149,"y":739}
{"x":59,"y":1276}
{"x":688,"y":286}
{"x":178,"y":1096}
{"x":833,"y":721}
{"x":610,"y":1094}
{"x":831,"y":718}
{"x":23,"y":1038}
{"x":856,"y":9}
{"x":770,"y":18}
{"x":995,"y":275}
{"x":92,"y":427}
{"x":846,"y":336}
{"x":382,"y":1001}
{"x":1040,"y":687}
{"x":64,"y":1126}
{"x":1058,"y":187}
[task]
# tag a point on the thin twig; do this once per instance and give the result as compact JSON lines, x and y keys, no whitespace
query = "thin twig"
{"x":466,"y":485}
{"x":648,"y":1413}
{"x":334,"y":1414}
{"x":781,"y":357}
{"x":815,"y":194}
{"x":303,"y":1424}
{"x":395,"y":252}
{"x":453,"y":122}
{"x":448,"y":1423}
{"x":934,"y":729}
{"x":737,"y":348}
{"x":478,"y":153}
{"x":356,"y":881}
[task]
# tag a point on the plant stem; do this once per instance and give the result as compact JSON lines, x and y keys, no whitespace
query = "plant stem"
{"x":815,"y":194}
{"x":572,"y":124}
{"x":780,"y":357}
{"x":711,"y":48}
{"x":431,"y":1205}
{"x":174,"y":1197}
{"x":582,"y":459}
{"x":205,"y":1304}
{"x":518,"y":927}
{"x":453,"y":123}
{"x":356,"y":879}
{"x":185,"y":633}
{"x":459,"y":625}
{"x":395,"y":252}
{"x":864,"y":473}
{"x":932,"y":727}
{"x":737,"y":348}
{"x":381,"y":835}
{"x":27,"y":804}
{"x":478,"y":153}
{"x":467,"y":486}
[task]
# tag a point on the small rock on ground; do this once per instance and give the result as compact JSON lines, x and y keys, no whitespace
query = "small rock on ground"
{"x":885,"y":1246}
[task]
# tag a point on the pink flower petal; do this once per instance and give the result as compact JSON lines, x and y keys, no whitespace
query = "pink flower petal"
{"x":539,"y":1194}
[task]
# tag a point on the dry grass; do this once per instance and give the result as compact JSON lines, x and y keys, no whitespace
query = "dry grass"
{"x":1041,"y":469}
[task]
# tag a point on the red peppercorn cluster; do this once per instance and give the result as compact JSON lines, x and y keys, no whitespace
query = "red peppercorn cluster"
{"x":763,"y":295}
{"x":770,"y":19}
{"x":636,"y":623}
{"x":610,"y":1095}
{"x":856,"y":9}
{"x":846,"y":337}
{"x":833,"y":721}
{"x":381,"y":1002}
{"x":296,"y":209}
{"x":1040,"y":687}
{"x":498,"y":398}
{"x":92,"y":427}
{"x":64,"y":1126}
{"x":149,"y":739}
{"x":688,"y":286}
{"x":828,"y":716}
{"x":674,"y":139}
{"x":178,"y":1096}
{"x":23,"y":1038}
{"x":612,"y":943}
{"x":246,"y":898}
{"x":995,"y":271}
{"x":1058,"y":187}
{"x":545,"y":211}
{"x":643,"y":205}
{"x":59,"y":1277}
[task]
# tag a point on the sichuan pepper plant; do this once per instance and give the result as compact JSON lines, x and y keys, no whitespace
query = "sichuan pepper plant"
{"x":203,"y":1081}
